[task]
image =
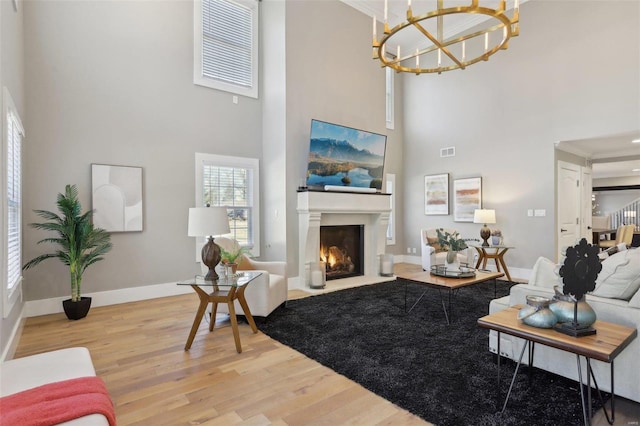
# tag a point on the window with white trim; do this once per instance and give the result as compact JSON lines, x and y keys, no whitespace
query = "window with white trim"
{"x":389,"y":90}
{"x":231,"y":182}
{"x":12,"y":204}
{"x":226,"y":45}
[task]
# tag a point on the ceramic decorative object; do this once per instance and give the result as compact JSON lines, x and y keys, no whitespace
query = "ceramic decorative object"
{"x":537,"y":313}
{"x":563,"y":307}
{"x":452,"y":263}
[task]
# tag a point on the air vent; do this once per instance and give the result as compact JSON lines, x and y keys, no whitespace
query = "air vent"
{"x":448,"y":152}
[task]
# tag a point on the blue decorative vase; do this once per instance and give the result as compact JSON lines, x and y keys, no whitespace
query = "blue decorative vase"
{"x":563,"y":307}
{"x":537,"y":313}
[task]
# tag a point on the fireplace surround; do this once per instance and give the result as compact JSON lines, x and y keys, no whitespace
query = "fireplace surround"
{"x":323,"y":208}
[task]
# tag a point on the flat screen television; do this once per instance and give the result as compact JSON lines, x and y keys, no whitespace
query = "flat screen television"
{"x":344,"y":156}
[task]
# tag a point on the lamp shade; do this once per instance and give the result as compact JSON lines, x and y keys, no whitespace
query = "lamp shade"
{"x":205,"y":221}
{"x":484,"y":216}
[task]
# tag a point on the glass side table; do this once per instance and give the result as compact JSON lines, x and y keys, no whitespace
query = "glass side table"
{"x":224,"y":290}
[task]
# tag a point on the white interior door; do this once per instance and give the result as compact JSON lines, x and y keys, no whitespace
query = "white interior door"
{"x":569,"y":209}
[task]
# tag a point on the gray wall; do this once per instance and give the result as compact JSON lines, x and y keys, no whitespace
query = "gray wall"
{"x":11,"y":77}
{"x":561,"y":79}
{"x":112,"y":83}
{"x":274,"y":119}
{"x":331,"y":77}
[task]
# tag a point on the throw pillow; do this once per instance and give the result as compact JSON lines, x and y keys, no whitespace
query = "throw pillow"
{"x":433,"y":242}
{"x":544,"y":274}
{"x":620,"y":276}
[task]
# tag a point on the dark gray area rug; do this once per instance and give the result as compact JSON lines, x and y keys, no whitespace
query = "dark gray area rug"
{"x":443,"y":373}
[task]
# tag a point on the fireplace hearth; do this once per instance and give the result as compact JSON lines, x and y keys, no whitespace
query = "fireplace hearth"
{"x":342,"y":250}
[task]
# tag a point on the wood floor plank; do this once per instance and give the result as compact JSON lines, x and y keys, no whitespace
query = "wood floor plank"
{"x":138,"y":349}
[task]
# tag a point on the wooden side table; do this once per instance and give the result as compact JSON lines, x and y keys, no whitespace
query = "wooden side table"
{"x":493,"y":252}
{"x":609,"y":341}
{"x":225,"y":290}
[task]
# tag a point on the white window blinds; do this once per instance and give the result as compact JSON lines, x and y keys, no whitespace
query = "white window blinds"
{"x":226,"y":45}
{"x":230,"y":187}
{"x":14,"y":200}
{"x":232,"y":182}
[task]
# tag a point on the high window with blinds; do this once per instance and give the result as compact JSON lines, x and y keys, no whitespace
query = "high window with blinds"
{"x":12,"y":206}
{"x":226,"y":45}
{"x":231,"y":182}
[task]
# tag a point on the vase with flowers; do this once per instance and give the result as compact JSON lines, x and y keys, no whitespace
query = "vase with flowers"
{"x":452,"y":243}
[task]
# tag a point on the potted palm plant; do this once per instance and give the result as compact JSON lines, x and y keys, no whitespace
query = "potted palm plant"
{"x":79,"y":245}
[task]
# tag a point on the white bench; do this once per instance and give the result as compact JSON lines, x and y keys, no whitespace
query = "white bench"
{"x":29,"y":372}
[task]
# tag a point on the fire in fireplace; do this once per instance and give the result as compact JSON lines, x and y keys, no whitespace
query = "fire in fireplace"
{"x":342,"y":249}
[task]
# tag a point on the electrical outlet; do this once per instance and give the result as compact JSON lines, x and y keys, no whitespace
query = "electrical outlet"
{"x":413,"y":250}
{"x":530,"y":212}
{"x":540,"y":212}
{"x":408,"y":250}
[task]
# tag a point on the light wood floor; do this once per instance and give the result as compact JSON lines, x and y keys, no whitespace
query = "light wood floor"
{"x":138,"y":349}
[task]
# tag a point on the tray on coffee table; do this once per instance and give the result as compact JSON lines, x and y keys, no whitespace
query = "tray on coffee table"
{"x":463,"y":272}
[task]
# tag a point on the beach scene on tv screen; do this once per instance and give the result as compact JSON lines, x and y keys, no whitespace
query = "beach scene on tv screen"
{"x":344,"y":156}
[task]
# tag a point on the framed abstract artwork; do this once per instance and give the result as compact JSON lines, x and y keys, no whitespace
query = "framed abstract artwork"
{"x":436,"y":194}
{"x":117,"y":197}
{"x":467,"y":197}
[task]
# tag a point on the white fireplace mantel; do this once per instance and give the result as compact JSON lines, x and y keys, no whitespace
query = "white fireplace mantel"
{"x":316,"y":208}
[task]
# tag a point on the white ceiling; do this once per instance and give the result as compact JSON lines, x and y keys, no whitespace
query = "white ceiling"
{"x":412,"y":39}
{"x":612,"y":156}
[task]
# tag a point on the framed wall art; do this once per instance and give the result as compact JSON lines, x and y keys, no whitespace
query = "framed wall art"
{"x":467,"y":197}
{"x":117,"y":197}
{"x":436,"y":194}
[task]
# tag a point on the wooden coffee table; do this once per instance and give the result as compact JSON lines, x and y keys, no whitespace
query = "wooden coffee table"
{"x":450,"y":285}
{"x":610,"y":339}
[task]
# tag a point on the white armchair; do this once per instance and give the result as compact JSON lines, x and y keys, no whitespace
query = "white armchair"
{"x":432,"y":255}
{"x":265,"y":293}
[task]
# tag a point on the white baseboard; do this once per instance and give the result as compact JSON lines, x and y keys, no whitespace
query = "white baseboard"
{"x":34,"y":308}
{"x":14,"y":338}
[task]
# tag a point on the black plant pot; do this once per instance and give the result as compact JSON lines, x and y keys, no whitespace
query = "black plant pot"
{"x":77,"y":310}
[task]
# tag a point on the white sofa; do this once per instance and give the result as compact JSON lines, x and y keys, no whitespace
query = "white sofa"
{"x":20,"y":374}
{"x":432,"y":256}
{"x":618,"y":280}
{"x":265,"y":293}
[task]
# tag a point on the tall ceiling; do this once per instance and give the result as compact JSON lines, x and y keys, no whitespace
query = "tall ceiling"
{"x":413,"y":39}
{"x":612,"y":156}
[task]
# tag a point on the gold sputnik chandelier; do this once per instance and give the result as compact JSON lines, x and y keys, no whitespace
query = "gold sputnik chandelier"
{"x":447,"y":48}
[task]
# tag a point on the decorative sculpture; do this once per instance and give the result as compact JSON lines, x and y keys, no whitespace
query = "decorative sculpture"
{"x":579,"y":272}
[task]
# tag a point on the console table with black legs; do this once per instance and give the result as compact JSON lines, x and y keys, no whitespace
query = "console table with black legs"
{"x":608,"y":342}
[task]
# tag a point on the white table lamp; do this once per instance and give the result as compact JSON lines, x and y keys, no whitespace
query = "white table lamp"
{"x":484,"y":216}
{"x":207,"y":222}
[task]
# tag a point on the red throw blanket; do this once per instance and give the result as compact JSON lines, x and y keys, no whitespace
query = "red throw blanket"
{"x":57,"y":402}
